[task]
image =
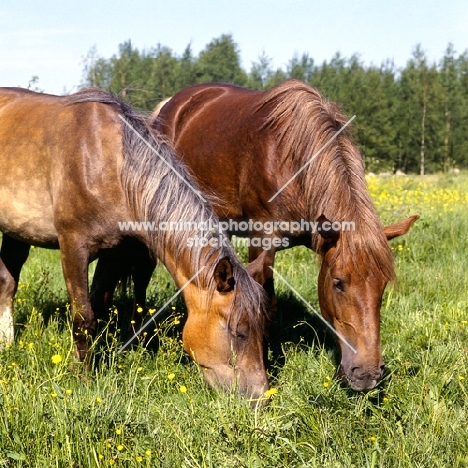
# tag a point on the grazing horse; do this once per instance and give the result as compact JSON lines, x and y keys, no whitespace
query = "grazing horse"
{"x":76,"y":172}
{"x":282,"y":155}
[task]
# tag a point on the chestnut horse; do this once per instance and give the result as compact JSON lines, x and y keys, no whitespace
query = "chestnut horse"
{"x":281,"y":155}
{"x":74,"y":169}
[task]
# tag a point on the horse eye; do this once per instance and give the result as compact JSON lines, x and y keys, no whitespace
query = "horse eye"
{"x":338,"y":284}
{"x":240,"y":335}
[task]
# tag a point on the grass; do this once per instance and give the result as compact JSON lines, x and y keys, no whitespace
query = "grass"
{"x":152,"y":409}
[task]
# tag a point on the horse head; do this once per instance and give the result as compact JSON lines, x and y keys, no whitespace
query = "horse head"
{"x":350,"y":295}
{"x":224,"y":333}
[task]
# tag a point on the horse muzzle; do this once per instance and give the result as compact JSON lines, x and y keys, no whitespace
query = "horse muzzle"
{"x":360,"y":379}
{"x":252,"y":387}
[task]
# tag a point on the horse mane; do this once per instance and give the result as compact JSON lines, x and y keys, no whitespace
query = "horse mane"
{"x":155,"y":192}
{"x":333,"y":184}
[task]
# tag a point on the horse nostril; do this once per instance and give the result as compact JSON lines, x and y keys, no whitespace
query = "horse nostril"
{"x":358,"y":372}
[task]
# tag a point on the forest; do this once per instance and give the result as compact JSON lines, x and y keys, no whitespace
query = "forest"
{"x":412,"y":119}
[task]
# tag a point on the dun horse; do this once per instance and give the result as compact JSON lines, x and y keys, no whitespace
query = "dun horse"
{"x":281,"y":155}
{"x":75,"y":167}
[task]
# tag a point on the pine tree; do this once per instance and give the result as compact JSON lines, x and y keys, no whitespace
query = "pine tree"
{"x":414,"y":119}
{"x":220,"y":62}
{"x":301,"y":68}
{"x":260,"y":73}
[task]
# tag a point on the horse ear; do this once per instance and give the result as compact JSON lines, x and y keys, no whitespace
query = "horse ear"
{"x":258,"y":269}
{"x":223,"y":276}
{"x":400,"y":228}
{"x":325,"y":229}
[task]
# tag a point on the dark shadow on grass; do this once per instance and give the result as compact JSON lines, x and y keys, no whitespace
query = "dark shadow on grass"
{"x":131,"y":335}
{"x":295,"y":323}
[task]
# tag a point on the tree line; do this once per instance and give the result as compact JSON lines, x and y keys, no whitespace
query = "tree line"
{"x":412,"y":119}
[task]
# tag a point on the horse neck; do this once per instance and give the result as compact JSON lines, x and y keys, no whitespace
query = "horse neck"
{"x":192,"y":255}
{"x":183,"y":265}
{"x":334,"y":186}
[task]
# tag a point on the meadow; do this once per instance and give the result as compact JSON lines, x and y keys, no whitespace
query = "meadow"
{"x":145,"y":408}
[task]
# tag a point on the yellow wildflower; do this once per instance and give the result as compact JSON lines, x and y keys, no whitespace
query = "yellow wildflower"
{"x":57,"y":358}
{"x":272,"y":391}
{"x":183,"y":389}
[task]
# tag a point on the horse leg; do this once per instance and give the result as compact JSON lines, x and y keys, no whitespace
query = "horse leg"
{"x":265,"y":274}
{"x":12,"y":257}
{"x":110,"y":269}
{"x":118,"y":264}
{"x":75,"y":260}
{"x":141,"y":274}
{"x":7,"y":291}
{"x":260,"y":261}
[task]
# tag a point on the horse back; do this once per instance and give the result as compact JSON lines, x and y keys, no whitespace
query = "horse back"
{"x":217,"y":132}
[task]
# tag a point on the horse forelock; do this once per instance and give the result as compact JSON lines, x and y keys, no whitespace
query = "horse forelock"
{"x":250,"y":299}
{"x":306,"y":126}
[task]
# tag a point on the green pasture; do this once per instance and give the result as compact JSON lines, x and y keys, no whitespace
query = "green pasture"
{"x":144,"y":408}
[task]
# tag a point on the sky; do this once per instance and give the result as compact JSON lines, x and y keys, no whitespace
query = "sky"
{"x":50,"y":39}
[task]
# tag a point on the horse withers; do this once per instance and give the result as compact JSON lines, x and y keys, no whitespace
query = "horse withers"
{"x":75,"y":168}
{"x":281,"y":155}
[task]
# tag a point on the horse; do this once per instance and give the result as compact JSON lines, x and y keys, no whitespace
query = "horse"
{"x":284,"y":154}
{"x":75,"y":169}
